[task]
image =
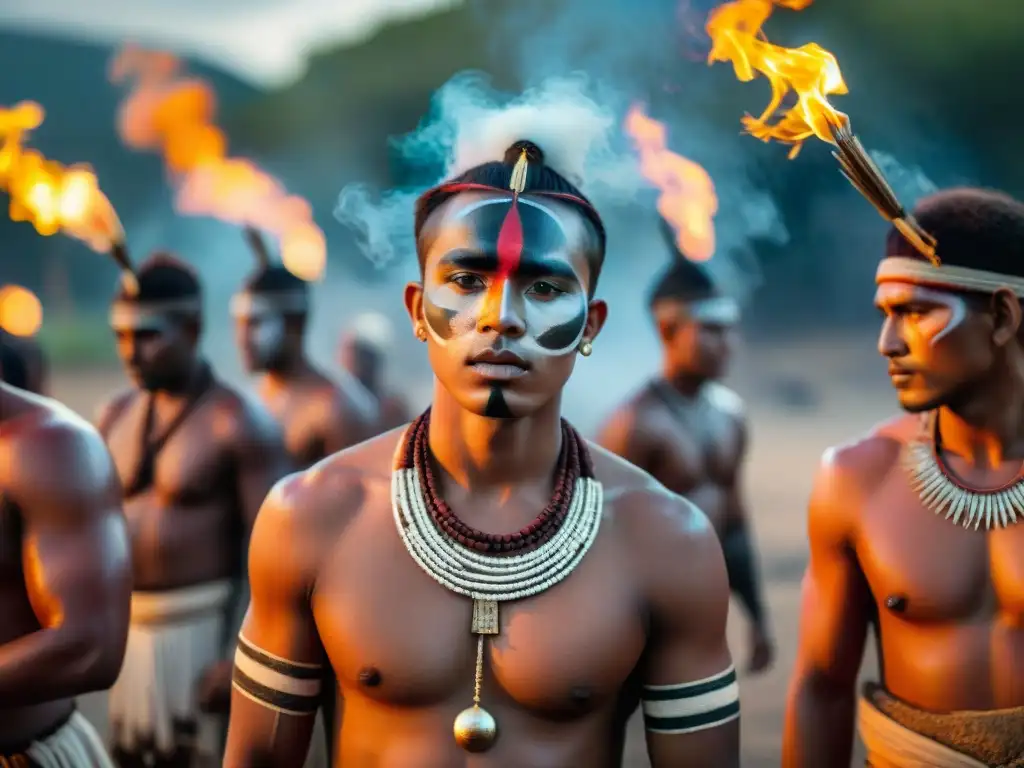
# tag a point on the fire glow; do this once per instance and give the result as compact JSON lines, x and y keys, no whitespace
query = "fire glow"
{"x":687,"y":202}
{"x":21,"y":314}
{"x":50,"y":196}
{"x":173,"y":115}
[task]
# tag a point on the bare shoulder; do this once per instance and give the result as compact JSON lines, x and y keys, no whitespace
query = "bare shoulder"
{"x":659,"y":528}
{"x":46,"y":435}
{"x":316,"y":505}
{"x":631,"y":419}
{"x":248,"y":418}
{"x":850,"y":473}
{"x":725,"y":400}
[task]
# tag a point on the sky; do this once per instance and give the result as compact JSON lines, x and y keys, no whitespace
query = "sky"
{"x":264,"y":42}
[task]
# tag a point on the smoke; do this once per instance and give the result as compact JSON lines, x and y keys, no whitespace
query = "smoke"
{"x":470,"y":122}
{"x":908,"y":182}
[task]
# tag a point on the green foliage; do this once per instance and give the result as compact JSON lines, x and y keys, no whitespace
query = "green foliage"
{"x":82,"y":341}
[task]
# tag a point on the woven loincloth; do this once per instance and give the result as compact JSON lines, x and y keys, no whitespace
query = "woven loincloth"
{"x":898,"y":735}
{"x":173,"y":639}
{"x":74,"y":745}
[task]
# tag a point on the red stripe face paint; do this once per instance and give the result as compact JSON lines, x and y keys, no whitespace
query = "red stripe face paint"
{"x":513,"y":261}
{"x":510,"y":242}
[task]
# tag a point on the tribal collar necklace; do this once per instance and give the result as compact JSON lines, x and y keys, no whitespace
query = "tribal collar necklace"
{"x":943,"y":494}
{"x":493,"y":568}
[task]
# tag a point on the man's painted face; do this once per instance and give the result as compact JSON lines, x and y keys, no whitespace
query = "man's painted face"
{"x":505,"y":299}
{"x":153,"y":345}
{"x":698,"y":337}
{"x":261,"y":340}
{"x":935,"y":352}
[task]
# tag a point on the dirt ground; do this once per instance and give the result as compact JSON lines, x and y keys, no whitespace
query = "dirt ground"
{"x":787,"y":442}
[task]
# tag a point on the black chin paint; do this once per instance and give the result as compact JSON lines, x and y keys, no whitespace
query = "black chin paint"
{"x":496,"y":407}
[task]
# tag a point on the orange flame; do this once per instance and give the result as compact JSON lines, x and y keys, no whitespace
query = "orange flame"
{"x":169,"y":113}
{"x":810,"y":72}
{"x":687,"y":201}
{"x":21,"y":314}
{"x":50,"y":196}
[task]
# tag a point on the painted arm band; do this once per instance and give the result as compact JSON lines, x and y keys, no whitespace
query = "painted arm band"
{"x":689,"y":707}
{"x":290,"y":687}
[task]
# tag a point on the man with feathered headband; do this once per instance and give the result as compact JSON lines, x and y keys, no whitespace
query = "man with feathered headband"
{"x":689,"y":431}
{"x":317,"y":415}
{"x":65,"y":577}
{"x":486,"y":580}
{"x":196,"y":459}
{"x":917,"y":528}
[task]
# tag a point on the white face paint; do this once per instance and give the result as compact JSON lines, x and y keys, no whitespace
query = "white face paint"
{"x":943,"y":312}
{"x":267,"y":338}
{"x":538,"y":287}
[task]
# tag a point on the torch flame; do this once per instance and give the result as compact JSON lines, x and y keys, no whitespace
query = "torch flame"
{"x":169,"y":113}
{"x":21,"y":314}
{"x":687,"y":201}
{"x":810,"y":72}
{"x":50,"y":196}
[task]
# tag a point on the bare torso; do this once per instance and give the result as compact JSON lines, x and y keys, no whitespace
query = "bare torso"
{"x":952,"y":636}
{"x":560,"y":676}
{"x":692,"y":447}
{"x":319,"y":416}
{"x":186,"y":527}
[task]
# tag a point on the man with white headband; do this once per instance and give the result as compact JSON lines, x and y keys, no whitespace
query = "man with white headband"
{"x":486,"y":586}
{"x":917,"y":529}
{"x":689,"y":431}
{"x":317,"y":415}
{"x":196,"y":460}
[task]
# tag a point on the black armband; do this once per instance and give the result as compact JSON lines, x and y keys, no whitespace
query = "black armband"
{"x":290,"y":687}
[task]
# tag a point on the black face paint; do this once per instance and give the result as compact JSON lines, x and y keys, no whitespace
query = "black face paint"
{"x":497,"y":407}
{"x":529,"y":276}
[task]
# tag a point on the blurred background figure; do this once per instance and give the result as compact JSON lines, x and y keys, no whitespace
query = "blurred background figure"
{"x":363,"y":353}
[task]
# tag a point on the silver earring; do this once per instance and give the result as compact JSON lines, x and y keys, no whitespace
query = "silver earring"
{"x":586,"y":348}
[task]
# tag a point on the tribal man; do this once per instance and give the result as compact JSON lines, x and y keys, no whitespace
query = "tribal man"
{"x":196,"y":461}
{"x":65,"y":578}
{"x":363,"y":353}
{"x":318,"y":416}
{"x":689,"y":431}
{"x":917,"y":528}
{"x":407,"y":563}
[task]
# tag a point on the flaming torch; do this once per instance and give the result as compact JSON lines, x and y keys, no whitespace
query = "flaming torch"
{"x":173,"y":115}
{"x":687,"y":201}
{"x":52,"y":197}
{"x":812,"y":74}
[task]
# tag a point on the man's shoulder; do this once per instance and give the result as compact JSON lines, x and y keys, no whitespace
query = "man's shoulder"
{"x":336,"y":487}
{"x":869,"y":456}
{"x":112,"y":407}
{"x":248,"y":416}
{"x":47,"y":434}
{"x":725,"y":400}
{"x":645,"y":511}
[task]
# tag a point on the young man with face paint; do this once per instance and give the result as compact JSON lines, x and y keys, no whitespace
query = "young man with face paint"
{"x":363,"y":354}
{"x":689,"y":431}
{"x":65,"y":577}
{"x":195,"y":459}
{"x":416,"y":570}
{"x":318,"y":416}
{"x":917,"y":529}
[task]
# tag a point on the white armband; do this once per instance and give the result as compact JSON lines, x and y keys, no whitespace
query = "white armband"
{"x":692,"y":706}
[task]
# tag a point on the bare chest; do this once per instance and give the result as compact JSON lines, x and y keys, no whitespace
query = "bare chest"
{"x":190,"y":468}
{"x":395,"y":636}
{"x":927,"y":568}
{"x":702,"y":448}
{"x":302,"y":417}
